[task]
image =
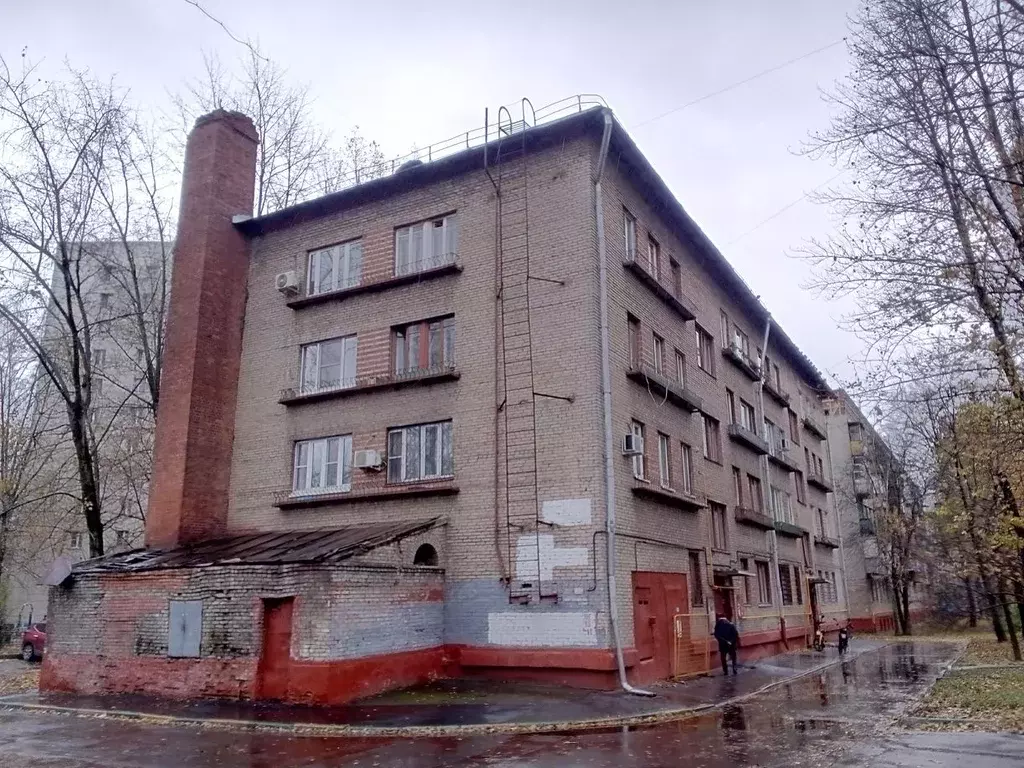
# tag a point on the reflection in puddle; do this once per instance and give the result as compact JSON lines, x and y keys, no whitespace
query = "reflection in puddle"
{"x":733,"y":719}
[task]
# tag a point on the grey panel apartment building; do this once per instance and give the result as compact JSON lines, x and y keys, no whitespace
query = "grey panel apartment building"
{"x":475,"y":353}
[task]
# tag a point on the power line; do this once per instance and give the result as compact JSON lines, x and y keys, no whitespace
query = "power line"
{"x":737,"y":84}
{"x":785,"y":208}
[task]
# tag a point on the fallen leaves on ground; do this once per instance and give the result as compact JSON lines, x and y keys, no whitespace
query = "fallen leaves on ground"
{"x":975,"y":699}
{"x":22,"y":678}
{"x":986,"y":650}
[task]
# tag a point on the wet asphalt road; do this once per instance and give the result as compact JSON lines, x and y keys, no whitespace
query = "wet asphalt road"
{"x":841,"y":717}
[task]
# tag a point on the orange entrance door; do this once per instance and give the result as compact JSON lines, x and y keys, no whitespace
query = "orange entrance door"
{"x":275,"y":658}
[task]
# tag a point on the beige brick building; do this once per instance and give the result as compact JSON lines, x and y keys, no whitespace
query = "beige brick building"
{"x":473,"y":353}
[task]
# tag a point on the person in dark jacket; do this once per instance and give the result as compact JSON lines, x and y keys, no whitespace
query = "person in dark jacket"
{"x":844,"y":639}
{"x":728,"y":638}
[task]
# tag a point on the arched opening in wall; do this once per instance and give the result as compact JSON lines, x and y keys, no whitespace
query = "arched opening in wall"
{"x":425,"y":555}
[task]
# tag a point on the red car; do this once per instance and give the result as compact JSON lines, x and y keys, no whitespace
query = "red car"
{"x":33,"y":642}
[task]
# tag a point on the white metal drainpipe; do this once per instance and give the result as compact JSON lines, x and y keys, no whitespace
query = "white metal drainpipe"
{"x":606,"y":391}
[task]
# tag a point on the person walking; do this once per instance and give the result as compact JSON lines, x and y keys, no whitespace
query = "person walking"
{"x":844,"y":639}
{"x":728,"y":638}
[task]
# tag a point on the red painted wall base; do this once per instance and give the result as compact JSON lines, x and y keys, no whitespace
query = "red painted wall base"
{"x":342,"y":681}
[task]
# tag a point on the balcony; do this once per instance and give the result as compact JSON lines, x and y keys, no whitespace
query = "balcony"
{"x":867,"y":526}
{"x":737,"y":357}
{"x":819,"y":481}
{"x":862,"y":486}
{"x":686,"y":501}
{"x":778,"y":394}
{"x":676,"y":303}
{"x":443,"y":487}
{"x":363,"y":384}
{"x":740,"y":434}
{"x":873,"y":566}
{"x":827,"y":541}
{"x":812,"y":426}
{"x":783,"y":458}
{"x":660,"y":386}
{"x":753,"y":518}
{"x":789,"y":529}
{"x":443,"y":265}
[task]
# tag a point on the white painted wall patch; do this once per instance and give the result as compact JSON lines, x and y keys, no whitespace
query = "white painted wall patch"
{"x":567,"y":512}
{"x":517,"y":628}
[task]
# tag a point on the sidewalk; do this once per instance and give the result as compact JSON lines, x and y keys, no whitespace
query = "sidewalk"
{"x":461,"y":705}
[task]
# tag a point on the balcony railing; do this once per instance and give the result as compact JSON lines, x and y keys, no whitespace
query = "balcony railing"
{"x":690,"y":501}
{"x":780,"y":395}
{"x":819,"y":481}
{"x":734,"y":354}
{"x":678,"y":303}
{"x":827,"y":541}
{"x":661,"y":386}
{"x":287,"y":499}
{"x":782,"y":457}
{"x":753,"y":518}
{"x":449,"y":265}
{"x":362,"y":384}
{"x":812,"y":426}
{"x":740,"y":434}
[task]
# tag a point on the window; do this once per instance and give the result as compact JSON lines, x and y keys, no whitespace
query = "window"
{"x":97,"y":386}
{"x":737,"y":485}
{"x":705,"y":351}
{"x":764,"y":583}
{"x":76,"y":541}
{"x":687,"y":476}
{"x":745,"y":566}
{"x":756,"y":501}
{"x":634,"y":341}
{"x":426,"y":245}
{"x":794,"y":428}
{"x":696,"y":585}
{"x":798,"y":590}
{"x":719,"y":531}
{"x":801,"y":489}
{"x":335,"y":268}
{"x":426,"y":345}
{"x":773,"y":435}
{"x":856,"y":432}
{"x":659,"y":354}
{"x":822,"y":522}
{"x":780,"y":504}
{"x":730,"y":397}
{"x":122,"y":539}
{"x":104,"y":300}
{"x":323,"y":465}
{"x":748,"y":417}
{"x":420,"y":452}
{"x":99,"y":357}
{"x":664,"y":461}
{"x":629,"y":231}
{"x":425,"y":555}
{"x":785,"y":584}
{"x":726,"y":337}
{"x":681,"y":368}
{"x":807,"y":460}
{"x":329,"y":364}
{"x":638,"y":461}
{"x":677,"y":279}
{"x":712,"y":439}
{"x":654,"y":257}
{"x":777,"y":376}
{"x":741,"y":341}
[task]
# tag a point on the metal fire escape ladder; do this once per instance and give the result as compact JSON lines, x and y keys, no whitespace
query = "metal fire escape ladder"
{"x":519,"y":406}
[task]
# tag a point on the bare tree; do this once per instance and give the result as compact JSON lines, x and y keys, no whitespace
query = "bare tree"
{"x":296,"y":159}
{"x":67,"y":173}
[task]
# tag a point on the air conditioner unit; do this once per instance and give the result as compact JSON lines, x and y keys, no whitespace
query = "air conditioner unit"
{"x":367,"y":460}
{"x":632,"y":445}
{"x":288,"y":282}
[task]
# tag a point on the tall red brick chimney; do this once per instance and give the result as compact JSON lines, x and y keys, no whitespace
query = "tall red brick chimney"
{"x":188,"y":498}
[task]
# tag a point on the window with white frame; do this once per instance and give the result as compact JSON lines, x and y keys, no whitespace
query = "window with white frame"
{"x":748,"y":417}
{"x":76,"y":540}
{"x":335,"y":268}
{"x":323,"y":465}
{"x":680,"y":368}
{"x":741,"y":342}
{"x":425,"y":345}
{"x":764,"y":583}
{"x":654,"y":257}
{"x":659,"y":354}
{"x":664,"y":461}
{"x":637,"y":429}
{"x":629,"y":232}
{"x":719,"y":526}
{"x":426,"y":245}
{"x":420,"y":452}
{"x":780,"y":504}
{"x":687,"y":476}
{"x":99,"y":357}
{"x":329,"y":365}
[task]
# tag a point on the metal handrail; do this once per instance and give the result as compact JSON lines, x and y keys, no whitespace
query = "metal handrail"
{"x":477,"y":137}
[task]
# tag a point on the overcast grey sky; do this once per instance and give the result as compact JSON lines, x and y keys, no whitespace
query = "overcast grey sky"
{"x":414,"y":73}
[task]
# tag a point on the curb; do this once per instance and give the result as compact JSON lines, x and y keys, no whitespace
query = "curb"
{"x":414,"y":731}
